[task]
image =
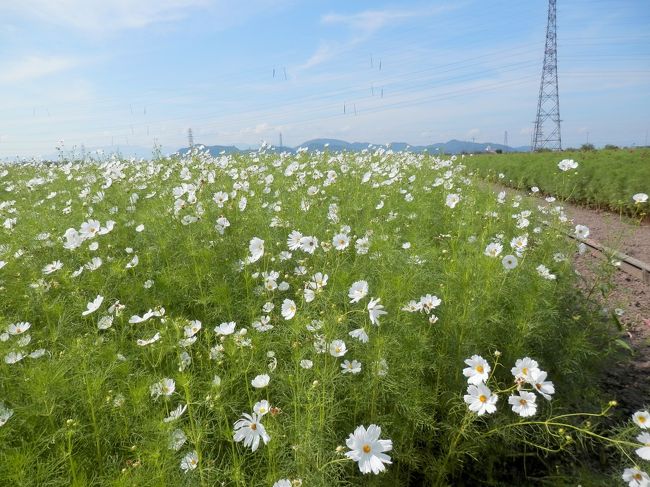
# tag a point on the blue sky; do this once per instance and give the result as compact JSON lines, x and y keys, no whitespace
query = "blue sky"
{"x":130,"y":73}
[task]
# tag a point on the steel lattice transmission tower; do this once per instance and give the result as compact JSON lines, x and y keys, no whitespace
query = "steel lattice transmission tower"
{"x":546,"y":131}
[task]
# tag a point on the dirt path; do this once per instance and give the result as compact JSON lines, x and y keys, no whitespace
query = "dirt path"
{"x":618,"y":233}
{"x":628,"y":381}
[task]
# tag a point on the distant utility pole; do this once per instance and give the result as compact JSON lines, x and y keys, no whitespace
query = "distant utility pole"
{"x":505,"y":138}
{"x":190,"y":138}
{"x":280,"y":140}
{"x":548,"y":104}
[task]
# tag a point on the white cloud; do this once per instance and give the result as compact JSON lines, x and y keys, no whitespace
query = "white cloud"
{"x":363,"y":25}
{"x":370,"y":21}
{"x":103,"y":15}
{"x":33,"y":67}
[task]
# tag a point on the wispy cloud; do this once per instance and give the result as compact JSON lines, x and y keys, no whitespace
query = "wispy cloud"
{"x":363,"y":25}
{"x":33,"y":67}
{"x":103,"y":15}
{"x":370,"y":21}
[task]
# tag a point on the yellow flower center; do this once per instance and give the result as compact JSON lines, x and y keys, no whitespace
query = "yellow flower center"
{"x":262,"y":410}
{"x":523,"y":402}
{"x":642,"y":419}
{"x":482,"y":398}
{"x":637,"y":476}
{"x":524,"y":371}
{"x":479,"y":369}
{"x":253,"y":426}
{"x":366,"y":448}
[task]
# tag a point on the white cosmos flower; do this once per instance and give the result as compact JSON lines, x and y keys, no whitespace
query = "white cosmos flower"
{"x":544,"y":271}
{"x":509,"y":262}
{"x":493,"y":249}
{"x":134,"y":262}
{"x":262,"y":407}
{"x":308,"y":244}
{"x":567,"y":164}
{"x":523,"y":404}
{"x":340,"y":241}
{"x":452,"y":200}
{"x":480,"y":399}
{"x":360,"y":334}
{"x":429,"y":303}
{"x":256,"y":248}
{"x":89,"y":229}
{"x":525,"y":368}
{"x":283,"y":483}
{"x":358,"y":291}
{"x":338,"y":348}
{"x":375,"y":310}
{"x":192,"y":329}
{"x":541,"y":385}
{"x":220,"y":198}
{"x":94,"y":264}
{"x":165,"y":387}
{"x":353,"y":367}
{"x":14,"y":357}
{"x":318,"y":281}
{"x":635,"y":477}
{"x":5,"y":414}
{"x":261,"y":381}
{"x":177,"y":439}
{"x":105,"y":322}
{"x":73,"y":239}
{"x":288,"y":309}
{"x":581,"y":231}
{"x":189,"y":461}
{"x":478,"y":370}
{"x":38,"y":353}
{"x":368,"y":450}
{"x":249,"y":430}
{"x":293,"y":241}
{"x":225,"y":328}
{"x":519,"y":244}
{"x":362,"y":245}
{"x":640,"y":198}
{"x":151,"y":340}
{"x":53,"y":267}
{"x":18,"y":328}
{"x":644,"y":451}
{"x":641,"y":419}
{"x":139,"y":228}
{"x":93,"y":305}
{"x":309,"y":295}
{"x":306,"y":364}
{"x":176,"y":413}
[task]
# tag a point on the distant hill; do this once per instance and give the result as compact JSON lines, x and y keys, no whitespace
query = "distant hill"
{"x":335,"y":145}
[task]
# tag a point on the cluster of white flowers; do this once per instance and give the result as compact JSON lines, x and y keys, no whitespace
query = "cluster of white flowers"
{"x":526,"y":372}
{"x":635,"y":477}
{"x":426,"y":304}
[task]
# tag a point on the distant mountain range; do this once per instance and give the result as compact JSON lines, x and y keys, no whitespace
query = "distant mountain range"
{"x":451,"y":147}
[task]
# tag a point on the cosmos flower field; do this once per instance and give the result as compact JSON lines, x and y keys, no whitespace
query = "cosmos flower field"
{"x":313,"y":319}
{"x":606,"y":179}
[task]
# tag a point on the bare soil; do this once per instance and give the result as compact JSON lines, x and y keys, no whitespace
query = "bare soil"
{"x":627,"y":380}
